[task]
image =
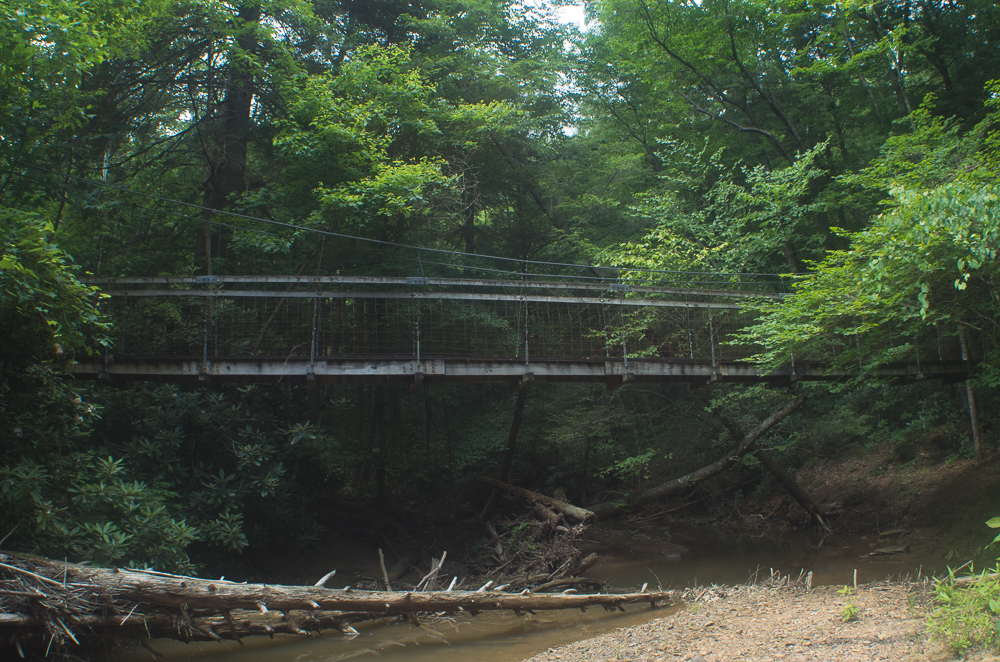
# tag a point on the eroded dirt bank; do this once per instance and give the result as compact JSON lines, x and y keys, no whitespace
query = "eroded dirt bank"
{"x":766,"y":622}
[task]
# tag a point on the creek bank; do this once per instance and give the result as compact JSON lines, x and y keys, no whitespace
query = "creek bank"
{"x":776,"y":621}
{"x":917,"y":509}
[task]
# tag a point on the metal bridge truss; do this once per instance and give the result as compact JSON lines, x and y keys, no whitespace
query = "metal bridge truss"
{"x":416,"y":329}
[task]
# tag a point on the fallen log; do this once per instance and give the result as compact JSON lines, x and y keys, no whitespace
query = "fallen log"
{"x":54,"y":597}
{"x":567,"y":509}
{"x":889,"y":550}
{"x":546,"y":515}
{"x":816,"y":513}
{"x":746,"y":445}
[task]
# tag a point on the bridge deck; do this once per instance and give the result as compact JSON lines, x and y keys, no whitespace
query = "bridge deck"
{"x":452,"y":369}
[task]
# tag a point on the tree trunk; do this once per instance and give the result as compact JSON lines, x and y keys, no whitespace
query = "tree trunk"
{"x":745,"y":446}
{"x":786,"y":479}
{"x":508,"y":455}
{"x":54,"y":598}
{"x":226,"y":154}
{"x":970,"y":396}
{"x":794,"y":489}
{"x":515,"y":428}
{"x":567,"y":509}
{"x":382,"y":450}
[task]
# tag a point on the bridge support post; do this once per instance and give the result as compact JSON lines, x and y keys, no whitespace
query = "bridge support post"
{"x":621,"y":315}
{"x":313,"y":340}
{"x":527,"y":343}
{"x":687,"y":319}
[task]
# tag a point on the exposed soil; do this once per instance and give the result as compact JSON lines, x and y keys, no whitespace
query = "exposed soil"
{"x":949,"y":501}
{"x":764,"y":623}
{"x":879,"y":490}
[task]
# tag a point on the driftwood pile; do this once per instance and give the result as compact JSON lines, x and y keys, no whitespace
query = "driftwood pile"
{"x":539,"y":552}
{"x":56,"y":607}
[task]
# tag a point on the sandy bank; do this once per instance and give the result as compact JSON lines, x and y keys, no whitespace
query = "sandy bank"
{"x":767,"y":623}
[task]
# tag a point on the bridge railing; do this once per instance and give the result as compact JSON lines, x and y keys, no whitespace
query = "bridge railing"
{"x":331,"y":316}
{"x":317,"y":318}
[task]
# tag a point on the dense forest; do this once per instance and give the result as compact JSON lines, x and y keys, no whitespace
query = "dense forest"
{"x":852,"y":147}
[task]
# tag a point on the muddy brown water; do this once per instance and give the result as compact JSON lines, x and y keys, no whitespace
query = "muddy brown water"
{"x":629,"y":558}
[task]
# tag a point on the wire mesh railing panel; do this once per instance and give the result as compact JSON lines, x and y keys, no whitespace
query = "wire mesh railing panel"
{"x":327,"y":317}
{"x":281,"y":327}
{"x":276,"y":326}
{"x":726,"y":325}
{"x":157,"y":327}
{"x":481,"y":329}
{"x":568,"y":330}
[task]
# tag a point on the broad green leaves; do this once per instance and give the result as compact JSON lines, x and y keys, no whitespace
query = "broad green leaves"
{"x":45,"y":311}
{"x":994,"y":523}
{"x":927,"y":265}
{"x":751,"y":219}
{"x":362,"y":135}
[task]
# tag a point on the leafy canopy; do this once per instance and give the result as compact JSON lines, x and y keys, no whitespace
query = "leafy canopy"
{"x":926,"y":266}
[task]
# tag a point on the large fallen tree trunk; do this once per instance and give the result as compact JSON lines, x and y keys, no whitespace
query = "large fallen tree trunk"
{"x":188,"y":627}
{"x":746,"y":445}
{"x":567,"y":509}
{"x":45,"y":600}
{"x":816,"y":513}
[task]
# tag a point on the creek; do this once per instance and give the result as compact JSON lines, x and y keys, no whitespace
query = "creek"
{"x":679,"y":558}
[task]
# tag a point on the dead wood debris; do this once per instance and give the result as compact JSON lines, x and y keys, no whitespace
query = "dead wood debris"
{"x":538,"y":553}
{"x":52,"y":608}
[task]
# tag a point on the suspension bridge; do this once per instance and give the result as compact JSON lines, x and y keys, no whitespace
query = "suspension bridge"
{"x":363,"y":329}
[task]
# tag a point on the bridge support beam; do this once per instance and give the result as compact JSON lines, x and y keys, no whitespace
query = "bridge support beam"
{"x":411,"y":371}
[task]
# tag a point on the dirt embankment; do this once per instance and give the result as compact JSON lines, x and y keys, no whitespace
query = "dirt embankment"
{"x":950,"y":501}
{"x":874,"y":492}
{"x":766,"y":623}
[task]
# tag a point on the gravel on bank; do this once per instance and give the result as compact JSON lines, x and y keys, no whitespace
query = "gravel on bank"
{"x":765,"y":623}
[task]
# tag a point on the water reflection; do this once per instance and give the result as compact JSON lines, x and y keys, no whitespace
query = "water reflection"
{"x":629,"y":558}
{"x":493,"y":636}
{"x":689,"y":557}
